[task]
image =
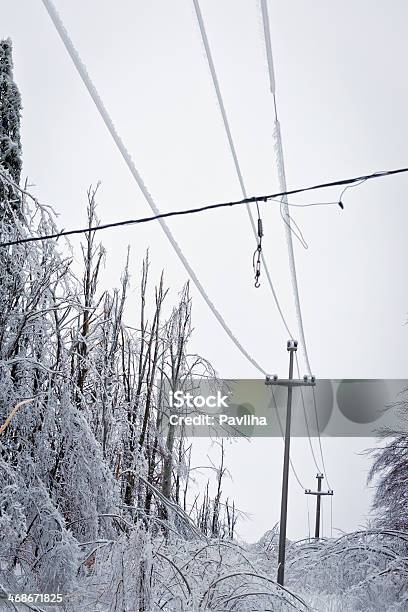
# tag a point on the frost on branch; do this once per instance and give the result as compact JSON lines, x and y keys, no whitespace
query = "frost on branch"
{"x":10,"y":109}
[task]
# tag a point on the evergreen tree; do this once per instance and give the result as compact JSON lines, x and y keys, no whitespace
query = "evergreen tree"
{"x":10,"y":112}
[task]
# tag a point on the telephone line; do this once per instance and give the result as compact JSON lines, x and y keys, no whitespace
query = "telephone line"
{"x":176,"y":213}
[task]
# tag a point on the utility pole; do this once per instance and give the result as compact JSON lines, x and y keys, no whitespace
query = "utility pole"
{"x":289,"y":383}
{"x":318,"y":494}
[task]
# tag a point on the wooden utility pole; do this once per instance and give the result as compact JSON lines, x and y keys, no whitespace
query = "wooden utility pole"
{"x":289,"y":383}
{"x":318,"y":494}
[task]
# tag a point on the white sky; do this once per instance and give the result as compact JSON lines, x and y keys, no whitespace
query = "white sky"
{"x":342,"y":98}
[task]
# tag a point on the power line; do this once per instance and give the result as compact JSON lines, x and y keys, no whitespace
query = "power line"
{"x":331,"y":516}
{"x":306,"y":420}
{"x":283,"y":438}
{"x":319,"y":438}
{"x":176,"y":213}
{"x":82,"y":71}
{"x":322,"y":514}
{"x":308,"y":517}
{"x":282,"y":181}
{"x":317,"y":429}
{"x":234,"y":155}
{"x":220,"y":101}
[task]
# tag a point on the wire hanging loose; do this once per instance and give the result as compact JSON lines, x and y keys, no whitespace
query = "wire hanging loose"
{"x":340,"y":202}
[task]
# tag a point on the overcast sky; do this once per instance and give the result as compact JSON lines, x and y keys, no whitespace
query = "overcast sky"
{"x":342,"y":97}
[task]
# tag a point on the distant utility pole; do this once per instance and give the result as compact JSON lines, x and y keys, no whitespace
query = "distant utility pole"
{"x":289,"y":383}
{"x":318,"y":494}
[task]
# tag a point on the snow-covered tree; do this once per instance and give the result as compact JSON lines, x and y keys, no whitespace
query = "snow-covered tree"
{"x":10,"y":112}
{"x":390,"y":475}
